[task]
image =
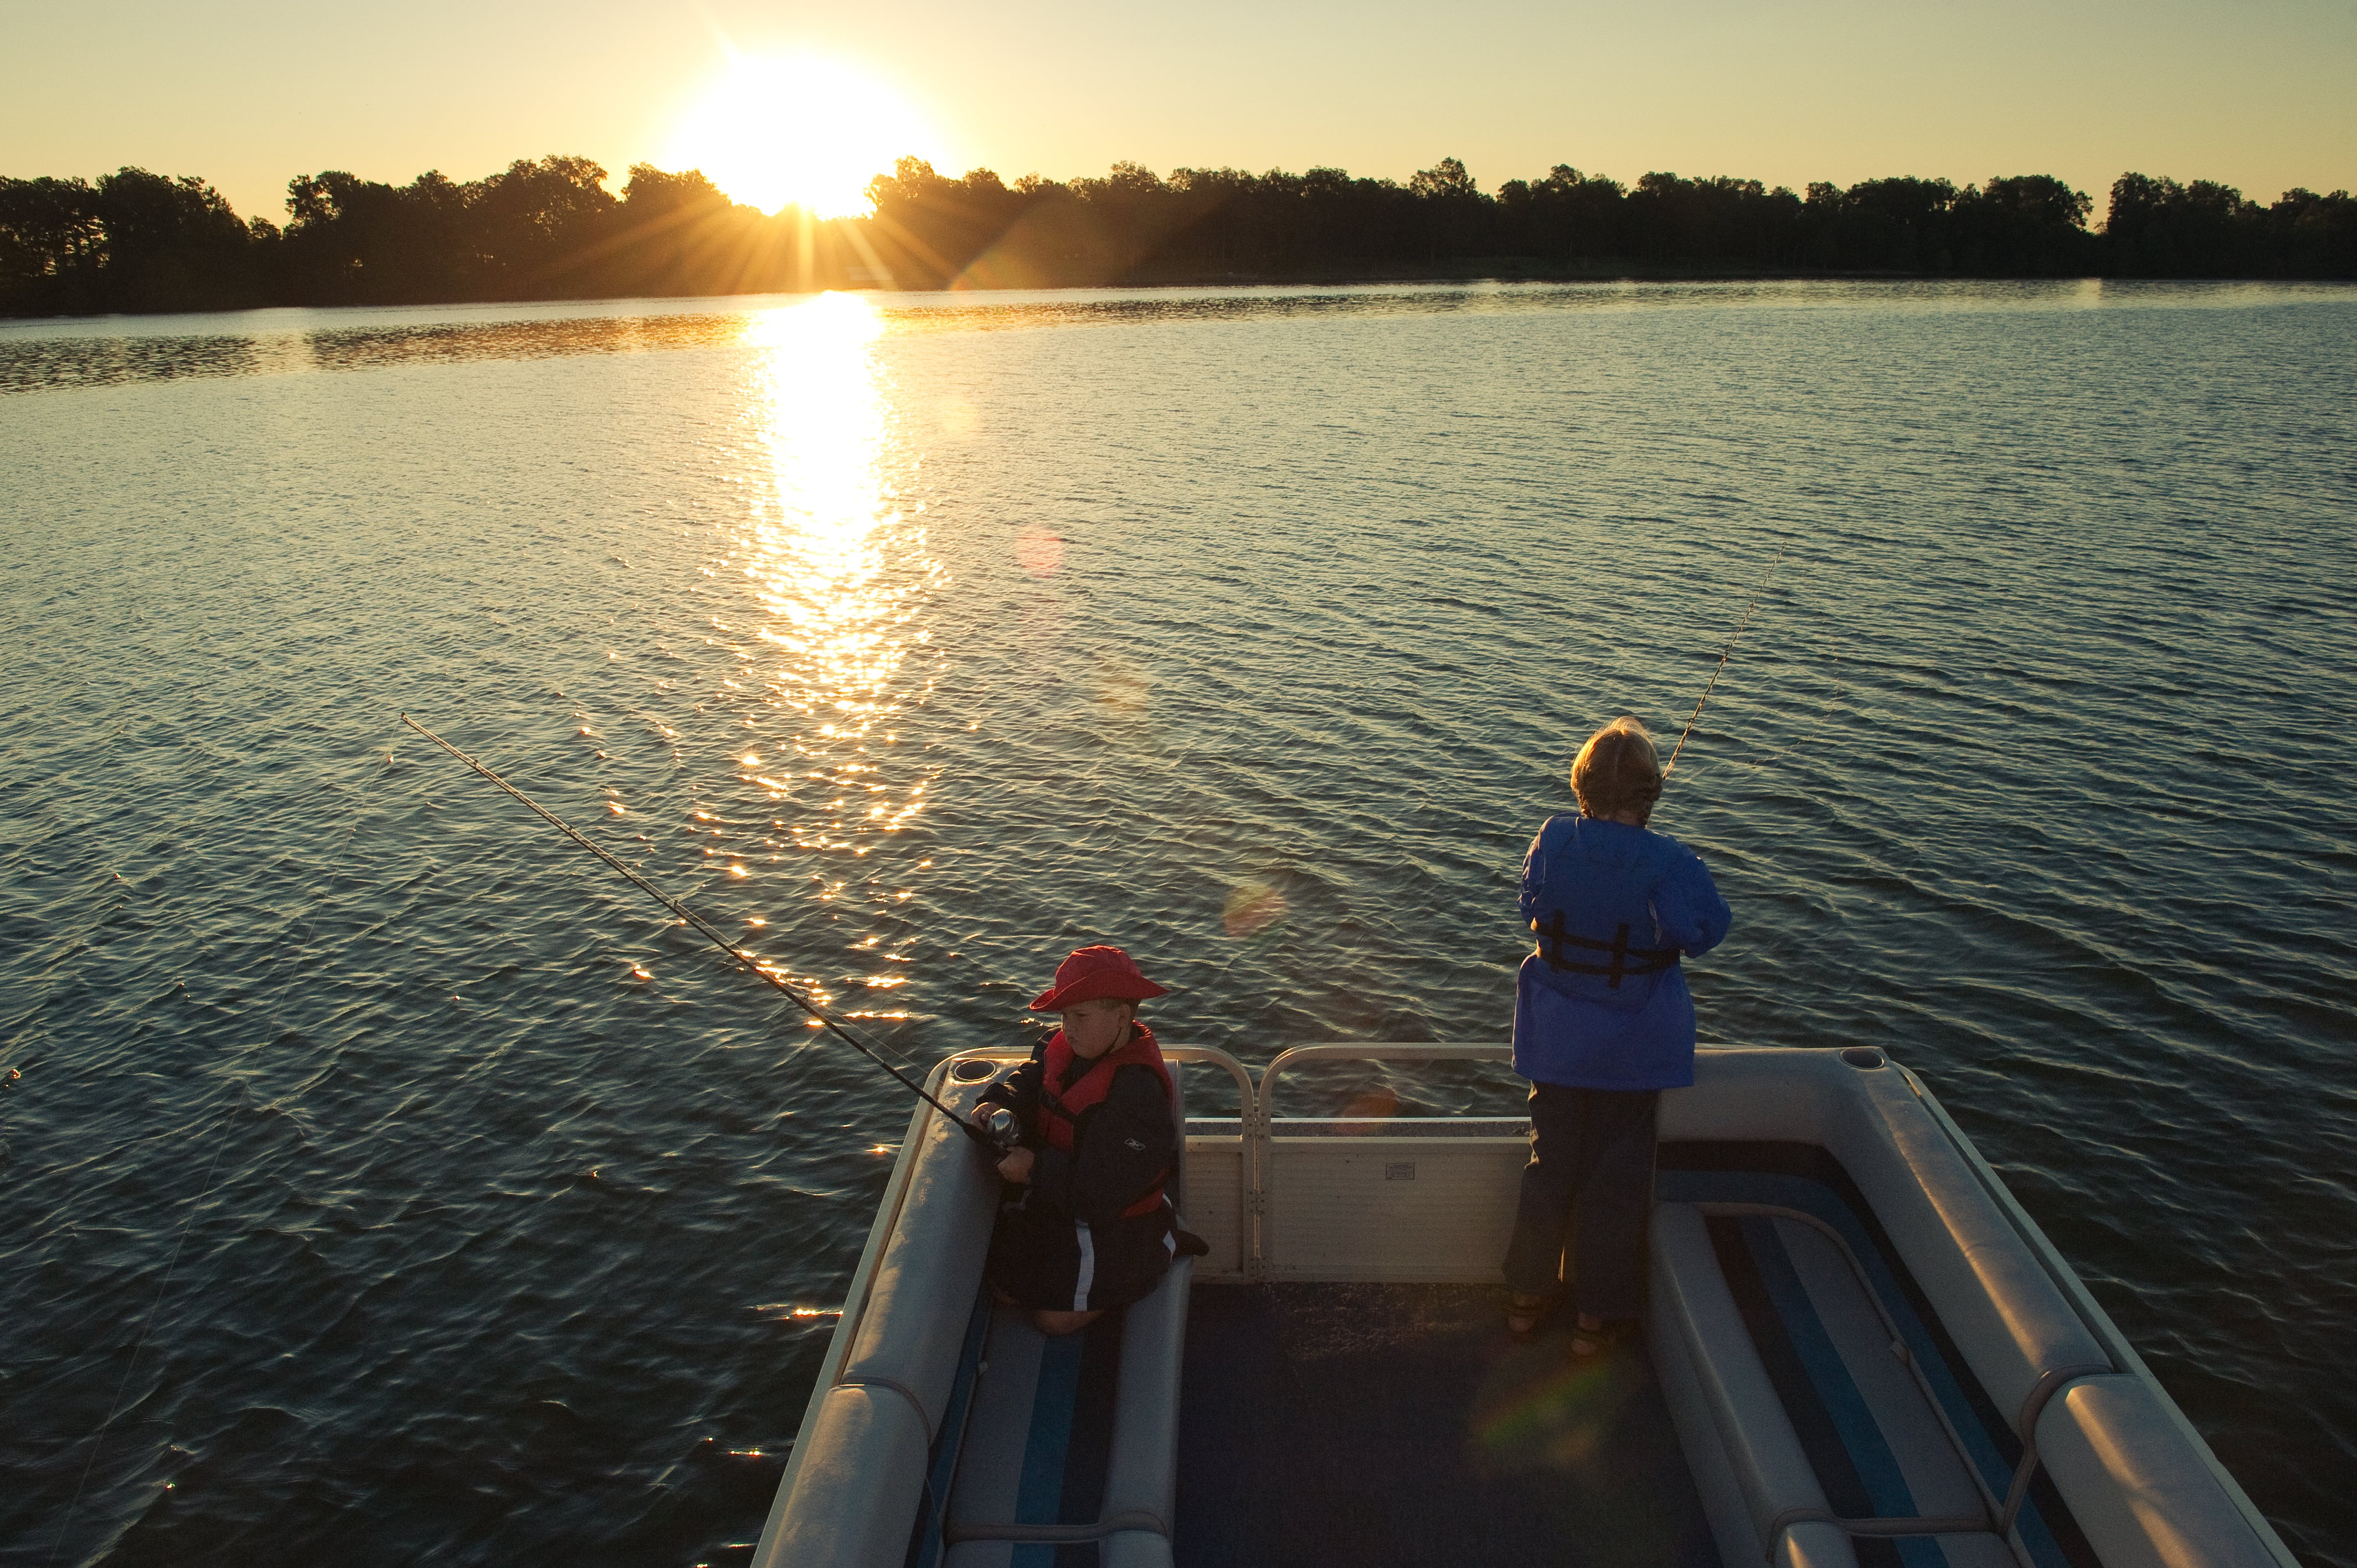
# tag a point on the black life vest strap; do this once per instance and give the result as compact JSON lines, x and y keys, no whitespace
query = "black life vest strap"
{"x":1626,"y":960}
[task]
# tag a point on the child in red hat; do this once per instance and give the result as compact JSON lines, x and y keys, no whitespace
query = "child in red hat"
{"x":1085,"y":1226}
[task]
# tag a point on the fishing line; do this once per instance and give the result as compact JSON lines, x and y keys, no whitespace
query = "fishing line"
{"x":1825,"y":717}
{"x":1725,"y":654}
{"x":744,"y":958}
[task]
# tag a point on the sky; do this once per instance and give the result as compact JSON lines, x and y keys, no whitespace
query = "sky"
{"x":247,"y":93}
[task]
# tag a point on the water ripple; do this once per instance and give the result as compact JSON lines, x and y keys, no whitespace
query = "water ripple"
{"x":921,"y":637}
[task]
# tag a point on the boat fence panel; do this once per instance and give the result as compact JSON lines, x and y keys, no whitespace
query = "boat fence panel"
{"x":1392,"y":1210}
{"x":1214,"y":1206}
{"x":1381,"y":1207}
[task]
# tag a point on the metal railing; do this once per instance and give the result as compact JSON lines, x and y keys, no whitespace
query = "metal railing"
{"x":1257,"y":1123}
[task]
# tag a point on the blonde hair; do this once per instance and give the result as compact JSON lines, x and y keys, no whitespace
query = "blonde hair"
{"x":1617,"y":770}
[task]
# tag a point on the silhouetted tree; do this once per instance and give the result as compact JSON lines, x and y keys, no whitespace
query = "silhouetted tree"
{"x":51,"y":243}
{"x":1719,"y":221}
{"x":549,"y":229}
{"x":2029,"y":225}
{"x":1452,"y":210}
{"x":133,"y":240}
{"x":1443,"y":181}
{"x":1567,"y":216}
{"x":2312,"y":236}
{"x":2158,"y":228}
{"x":351,"y":241}
{"x":1879,"y":225}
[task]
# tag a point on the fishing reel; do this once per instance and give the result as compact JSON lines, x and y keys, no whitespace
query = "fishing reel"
{"x":1002,"y":1128}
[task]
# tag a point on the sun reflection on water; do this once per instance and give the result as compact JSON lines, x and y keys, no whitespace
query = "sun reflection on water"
{"x":835,"y":555}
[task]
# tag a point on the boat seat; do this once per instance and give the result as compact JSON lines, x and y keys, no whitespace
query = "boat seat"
{"x":954,"y":1433}
{"x":1074,"y":1439}
{"x":1768,"y":1340}
{"x":2141,"y":1492}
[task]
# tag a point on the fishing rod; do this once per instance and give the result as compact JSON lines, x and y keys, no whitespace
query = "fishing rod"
{"x":1725,"y":654}
{"x":744,"y":959}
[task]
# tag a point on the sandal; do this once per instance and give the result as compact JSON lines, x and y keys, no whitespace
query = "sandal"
{"x":1527,"y":1313}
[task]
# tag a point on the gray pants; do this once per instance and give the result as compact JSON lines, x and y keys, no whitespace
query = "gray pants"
{"x":1589,"y":1189}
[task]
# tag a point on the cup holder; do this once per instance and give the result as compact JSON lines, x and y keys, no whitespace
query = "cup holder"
{"x":1863,"y":1057}
{"x":973,"y":1069}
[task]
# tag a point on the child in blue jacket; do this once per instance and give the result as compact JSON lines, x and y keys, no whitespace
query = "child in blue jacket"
{"x":1603,"y":1022}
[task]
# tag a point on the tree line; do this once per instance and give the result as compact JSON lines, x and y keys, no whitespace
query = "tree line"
{"x":550,"y":229}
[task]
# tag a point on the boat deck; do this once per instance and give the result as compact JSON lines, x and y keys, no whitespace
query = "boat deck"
{"x":1858,"y":1350}
{"x":1376,"y":1425}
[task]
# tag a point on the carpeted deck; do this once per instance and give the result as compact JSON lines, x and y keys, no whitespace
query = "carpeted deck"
{"x":1369,"y":1425}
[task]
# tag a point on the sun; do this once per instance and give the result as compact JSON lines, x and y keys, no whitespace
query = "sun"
{"x":798,"y":130}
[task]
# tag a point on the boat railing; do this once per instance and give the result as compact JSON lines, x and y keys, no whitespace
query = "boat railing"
{"x":1371,"y":1198}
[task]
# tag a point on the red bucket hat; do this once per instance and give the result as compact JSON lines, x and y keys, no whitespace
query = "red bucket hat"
{"x":1095,"y":972}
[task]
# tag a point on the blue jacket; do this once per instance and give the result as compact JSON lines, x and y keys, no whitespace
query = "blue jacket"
{"x":1603,"y":1004}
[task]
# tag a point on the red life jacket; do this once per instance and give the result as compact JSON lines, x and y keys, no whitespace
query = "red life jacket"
{"x":1061,"y":1110}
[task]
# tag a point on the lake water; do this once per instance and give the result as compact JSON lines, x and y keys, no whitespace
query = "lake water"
{"x":386,"y":1182}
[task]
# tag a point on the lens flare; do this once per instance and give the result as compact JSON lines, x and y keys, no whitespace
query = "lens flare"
{"x":1039,"y":552}
{"x":1123,"y":686}
{"x":1252,"y":909}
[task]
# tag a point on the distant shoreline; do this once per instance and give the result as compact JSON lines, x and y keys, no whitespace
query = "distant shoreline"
{"x":134,"y":243}
{"x":1536,"y":275}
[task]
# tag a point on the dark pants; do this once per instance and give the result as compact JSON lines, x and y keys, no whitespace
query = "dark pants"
{"x":1044,"y":1260}
{"x":1589,"y":1185}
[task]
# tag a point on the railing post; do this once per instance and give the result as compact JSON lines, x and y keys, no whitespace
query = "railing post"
{"x":1251,"y":1152}
{"x":1257,"y":1172}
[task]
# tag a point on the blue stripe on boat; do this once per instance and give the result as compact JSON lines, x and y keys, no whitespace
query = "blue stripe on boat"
{"x":1040,"y":1496}
{"x":1853,"y":1418}
{"x":1814,"y":1420}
